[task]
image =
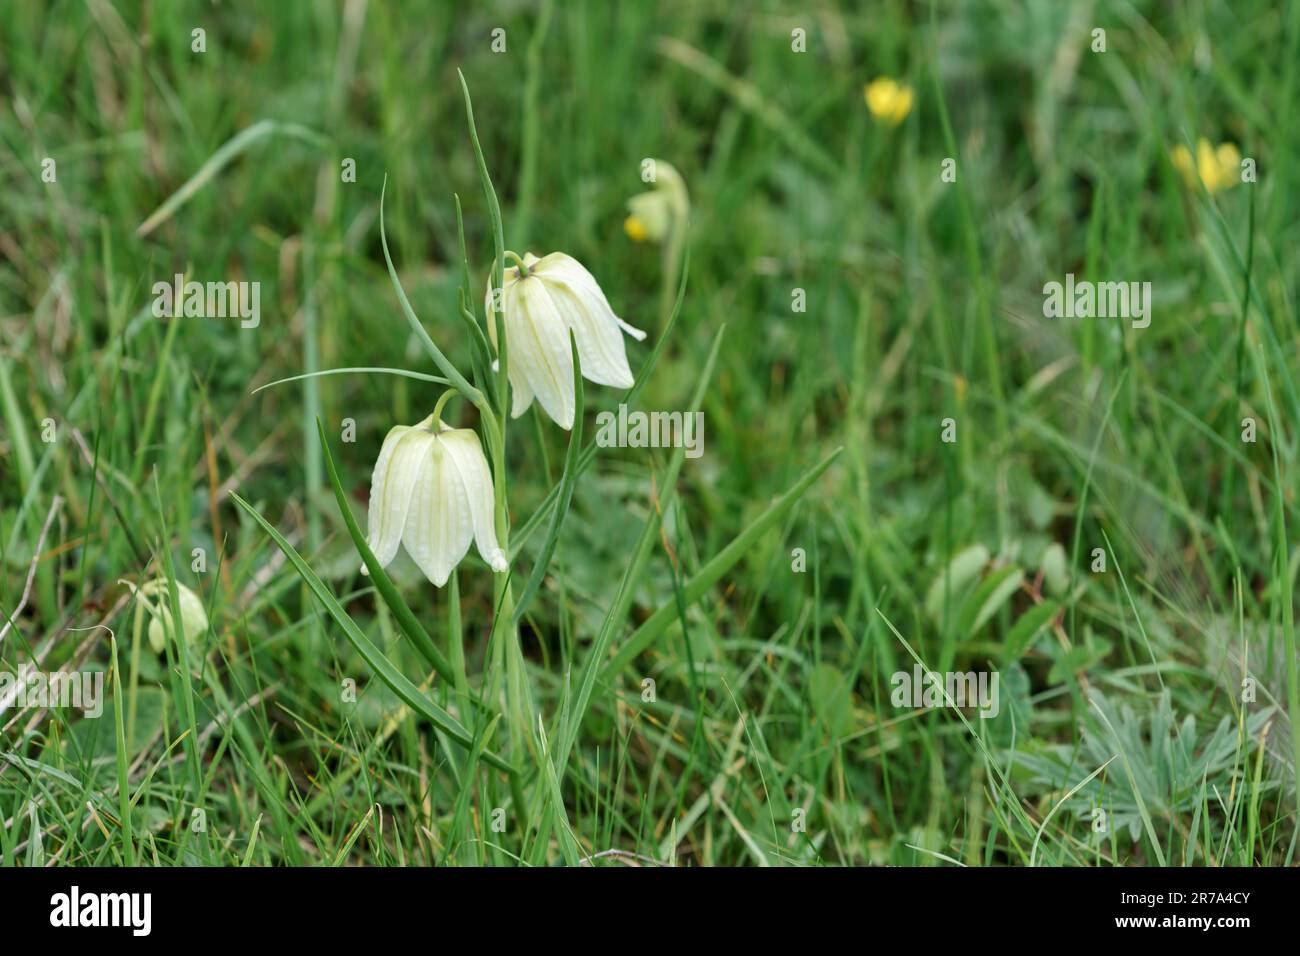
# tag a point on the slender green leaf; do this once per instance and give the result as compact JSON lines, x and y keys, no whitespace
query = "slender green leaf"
{"x":372,"y":655}
{"x":567,"y":482}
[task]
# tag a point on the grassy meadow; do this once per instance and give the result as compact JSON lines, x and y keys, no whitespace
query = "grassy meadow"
{"x":906,"y":467}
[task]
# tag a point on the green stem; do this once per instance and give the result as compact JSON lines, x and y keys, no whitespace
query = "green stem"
{"x":133,"y":685}
{"x":456,"y":640}
{"x":443,"y":399}
{"x":524,"y":272}
{"x":671,"y":266}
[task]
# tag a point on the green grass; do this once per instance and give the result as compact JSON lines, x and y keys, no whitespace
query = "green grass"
{"x":703,"y":661}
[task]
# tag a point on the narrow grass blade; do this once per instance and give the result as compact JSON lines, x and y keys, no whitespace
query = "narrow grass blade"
{"x":1033,"y":852}
{"x":567,"y":481}
{"x":407,"y":692}
{"x":520,"y":536}
{"x":714,"y":569}
{"x":354,"y":370}
{"x":444,"y":365}
{"x":460,"y":821}
{"x":123,"y":758}
{"x":497,"y":318}
{"x":252,"y":842}
{"x":217,"y":161}
{"x":402,"y":612}
{"x":555,"y":802}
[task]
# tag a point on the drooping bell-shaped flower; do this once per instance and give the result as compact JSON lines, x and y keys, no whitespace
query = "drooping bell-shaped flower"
{"x":156,"y":600}
{"x":654,"y":215}
{"x":542,"y":300}
{"x":432,"y":493}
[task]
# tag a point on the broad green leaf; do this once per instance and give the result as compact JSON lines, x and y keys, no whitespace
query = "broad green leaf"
{"x":1027,"y":628}
{"x":964,"y":567}
{"x":1081,"y":657}
{"x":993,"y":592}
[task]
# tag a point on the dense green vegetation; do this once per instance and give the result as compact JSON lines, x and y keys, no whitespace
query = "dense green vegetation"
{"x":701,"y":677}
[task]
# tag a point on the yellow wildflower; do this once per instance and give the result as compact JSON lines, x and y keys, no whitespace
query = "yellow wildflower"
{"x":888,"y":100}
{"x":1218,"y":168}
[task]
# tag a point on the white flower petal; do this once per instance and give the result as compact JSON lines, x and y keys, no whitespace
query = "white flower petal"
{"x":521,"y":396}
{"x":631,"y":330}
{"x":390,"y":488}
{"x":600,"y":344}
{"x":564,"y":268}
{"x":439,"y":527}
{"x":538,"y":347}
{"x":467,"y":460}
{"x":521,"y":391}
{"x":558,"y":296}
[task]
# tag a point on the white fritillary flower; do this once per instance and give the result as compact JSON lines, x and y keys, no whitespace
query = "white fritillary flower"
{"x":432,"y":493}
{"x":542,"y":301}
{"x":155,"y":598}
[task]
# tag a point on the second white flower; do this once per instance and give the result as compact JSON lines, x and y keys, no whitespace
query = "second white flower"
{"x":541,"y":303}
